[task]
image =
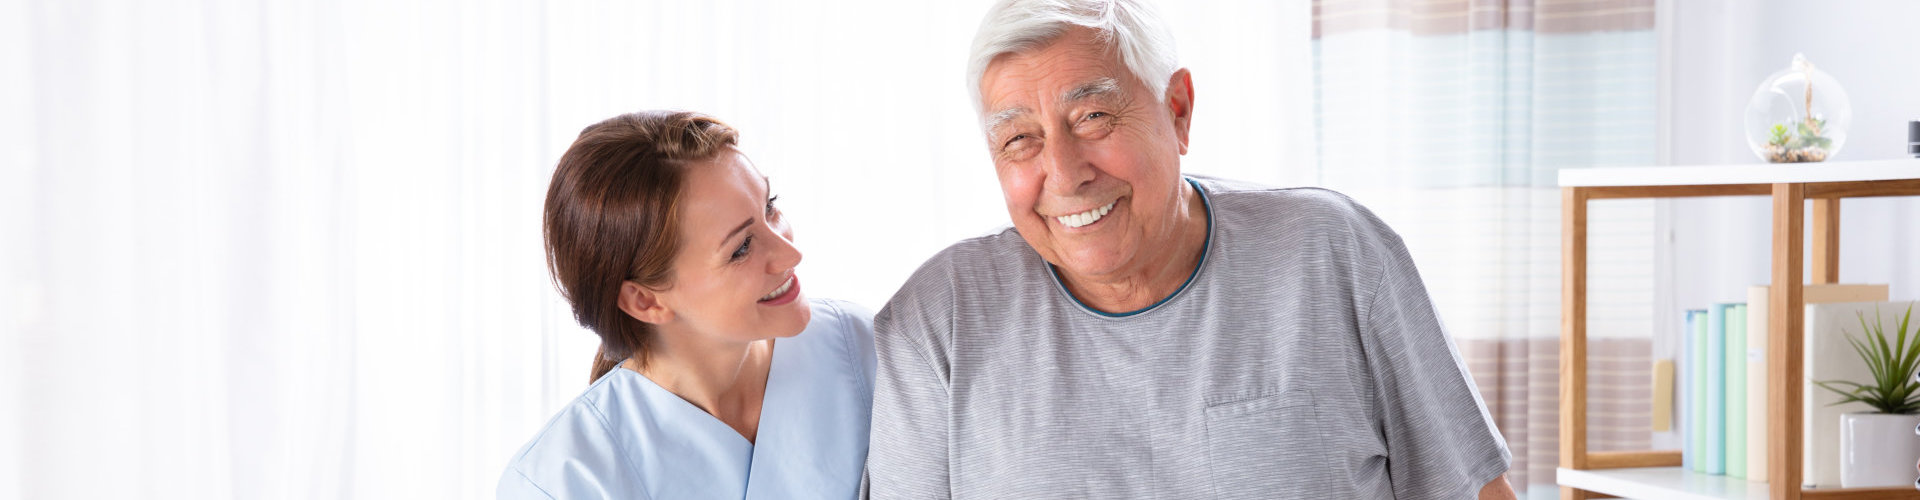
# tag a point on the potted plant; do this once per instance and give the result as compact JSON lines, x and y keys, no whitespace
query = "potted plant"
{"x":1877,"y":448}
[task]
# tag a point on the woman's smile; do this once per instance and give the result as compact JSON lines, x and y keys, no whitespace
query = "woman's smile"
{"x":784,"y":294}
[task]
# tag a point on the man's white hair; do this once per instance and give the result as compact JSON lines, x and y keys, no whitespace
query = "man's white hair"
{"x":1132,"y":27}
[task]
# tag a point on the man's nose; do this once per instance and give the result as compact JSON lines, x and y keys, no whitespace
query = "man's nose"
{"x":1065,"y":165}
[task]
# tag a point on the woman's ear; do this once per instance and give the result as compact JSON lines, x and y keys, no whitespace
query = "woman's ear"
{"x":643,"y":303}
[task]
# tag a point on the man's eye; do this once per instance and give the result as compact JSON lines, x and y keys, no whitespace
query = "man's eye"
{"x":1015,"y":139}
{"x":1097,"y":115}
{"x":745,"y":246}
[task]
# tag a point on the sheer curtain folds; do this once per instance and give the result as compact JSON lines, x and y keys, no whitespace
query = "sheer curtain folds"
{"x":275,"y":250}
{"x":1450,"y":119}
{"x":291,"y":249}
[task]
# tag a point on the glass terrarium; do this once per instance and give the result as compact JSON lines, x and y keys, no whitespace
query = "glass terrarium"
{"x":1798,"y":115}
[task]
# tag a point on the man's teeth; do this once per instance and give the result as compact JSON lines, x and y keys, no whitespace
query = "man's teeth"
{"x":783,"y":289}
{"x":1084,"y":218}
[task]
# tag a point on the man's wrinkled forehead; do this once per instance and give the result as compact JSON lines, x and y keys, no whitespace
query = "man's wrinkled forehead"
{"x":1077,"y":45}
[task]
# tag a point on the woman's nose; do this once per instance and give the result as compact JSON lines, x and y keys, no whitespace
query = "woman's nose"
{"x":785,"y":255}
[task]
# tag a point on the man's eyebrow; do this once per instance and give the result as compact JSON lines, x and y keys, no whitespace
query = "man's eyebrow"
{"x":1102,"y":87}
{"x":1001,"y":117}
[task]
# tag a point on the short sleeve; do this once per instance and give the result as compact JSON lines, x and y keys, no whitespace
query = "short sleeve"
{"x":907,"y":458}
{"x":1441,"y":441}
{"x":573,"y":458}
{"x":857,"y":323}
{"x":515,"y":486}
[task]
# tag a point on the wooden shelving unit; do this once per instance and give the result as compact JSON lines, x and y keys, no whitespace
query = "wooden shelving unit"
{"x":1657,"y":474}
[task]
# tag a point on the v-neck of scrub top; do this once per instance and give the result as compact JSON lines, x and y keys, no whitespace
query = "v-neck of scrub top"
{"x":776,"y":397}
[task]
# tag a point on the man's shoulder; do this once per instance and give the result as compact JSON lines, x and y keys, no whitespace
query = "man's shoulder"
{"x":1236,"y":196}
{"x":997,"y":258}
{"x":1285,"y":213}
{"x":979,"y":256}
{"x":996,"y":246}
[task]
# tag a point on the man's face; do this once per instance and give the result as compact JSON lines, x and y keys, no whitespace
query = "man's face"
{"x":1088,"y":159}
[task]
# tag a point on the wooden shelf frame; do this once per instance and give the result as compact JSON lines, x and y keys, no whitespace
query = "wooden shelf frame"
{"x":1785,"y":310}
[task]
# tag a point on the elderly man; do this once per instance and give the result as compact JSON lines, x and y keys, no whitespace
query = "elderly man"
{"x":1143,"y":334}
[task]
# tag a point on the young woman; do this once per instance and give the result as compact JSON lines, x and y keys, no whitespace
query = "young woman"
{"x":717,"y":377}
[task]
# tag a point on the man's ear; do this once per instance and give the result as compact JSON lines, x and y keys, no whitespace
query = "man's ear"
{"x":643,"y":303}
{"x":1180,"y":104}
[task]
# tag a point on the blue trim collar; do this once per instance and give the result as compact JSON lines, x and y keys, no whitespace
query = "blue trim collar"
{"x":1205,"y":248}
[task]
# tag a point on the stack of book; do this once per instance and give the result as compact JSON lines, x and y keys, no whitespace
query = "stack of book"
{"x":1721,"y":398}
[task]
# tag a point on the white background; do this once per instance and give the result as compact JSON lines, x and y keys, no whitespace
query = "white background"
{"x":291,"y":249}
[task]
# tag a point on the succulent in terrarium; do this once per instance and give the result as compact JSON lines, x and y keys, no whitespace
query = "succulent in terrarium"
{"x":1790,"y":121}
{"x":1778,"y":136}
{"x":1810,"y":134}
{"x":1805,"y":144}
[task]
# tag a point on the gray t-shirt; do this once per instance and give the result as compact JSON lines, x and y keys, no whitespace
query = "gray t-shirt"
{"x":1302,"y":359}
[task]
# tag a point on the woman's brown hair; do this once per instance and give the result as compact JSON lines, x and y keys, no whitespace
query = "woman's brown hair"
{"x":612,"y":213}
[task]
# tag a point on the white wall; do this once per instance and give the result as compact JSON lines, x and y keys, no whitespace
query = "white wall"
{"x":1720,"y":51}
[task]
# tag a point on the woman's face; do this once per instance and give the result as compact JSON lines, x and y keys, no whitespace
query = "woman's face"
{"x":733,"y":278}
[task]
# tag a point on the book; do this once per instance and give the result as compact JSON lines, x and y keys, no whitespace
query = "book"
{"x":1757,"y":382}
{"x":1716,"y":391}
{"x":1736,"y":392}
{"x":1757,"y":364}
{"x":1663,"y":395}
{"x":1830,"y":357}
{"x":1683,"y":390}
{"x":1694,"y":457}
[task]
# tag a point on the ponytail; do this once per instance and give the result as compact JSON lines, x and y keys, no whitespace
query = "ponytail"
{"x":602,"y":365}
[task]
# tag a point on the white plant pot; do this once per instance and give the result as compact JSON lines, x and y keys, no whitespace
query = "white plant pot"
{"x":1877,"y":449}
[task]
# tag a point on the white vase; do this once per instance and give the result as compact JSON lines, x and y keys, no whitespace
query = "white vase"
{"x":1877,"y":449}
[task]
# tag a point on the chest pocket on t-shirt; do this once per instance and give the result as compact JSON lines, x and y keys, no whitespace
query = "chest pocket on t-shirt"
{"x":1268,"y":446}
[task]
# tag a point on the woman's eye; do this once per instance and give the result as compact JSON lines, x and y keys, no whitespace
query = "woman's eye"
{"x":745,"y":246}
{"x":771,"y":211}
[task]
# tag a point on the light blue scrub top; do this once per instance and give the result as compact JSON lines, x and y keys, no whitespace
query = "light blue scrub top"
{"x":628,"y":438}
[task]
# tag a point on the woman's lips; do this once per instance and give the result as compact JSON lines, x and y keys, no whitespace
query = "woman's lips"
{"x":785,"y":293}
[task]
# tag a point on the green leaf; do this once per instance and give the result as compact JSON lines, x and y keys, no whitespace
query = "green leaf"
{"x":1879,"y":337}
{"x":1830,"y":385}
{"x":1779,"y":135}
{"x":1809,"y":137}
{"x":1915,"y":354}
{"x":1894,"y":359}
{"x":1865,"y":352}
{"x":1908,"y":355}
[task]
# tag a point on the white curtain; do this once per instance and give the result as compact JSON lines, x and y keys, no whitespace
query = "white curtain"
{"x":291,"y":249}
{"x":1451,"y":121}
{"x":275,"y":250}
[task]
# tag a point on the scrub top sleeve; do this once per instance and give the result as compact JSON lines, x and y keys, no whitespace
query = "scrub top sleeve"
{"x":857,"y":322}
{"x":576,"y":457}
{"x":1441,"y":441}
{"x":515,"y":486}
